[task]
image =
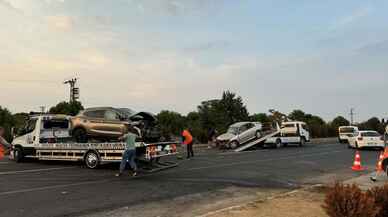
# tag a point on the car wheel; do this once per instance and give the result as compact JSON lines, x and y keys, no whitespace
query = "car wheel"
{"x":278,"y":143}
{"x":92,"y":159}
{"x":233,"y":144}
{"x":18,"y":154}
{"x":302,"y":142}
{"x":356,"y":145}
{"x":349,"y":146}
{"x":80,"y":135}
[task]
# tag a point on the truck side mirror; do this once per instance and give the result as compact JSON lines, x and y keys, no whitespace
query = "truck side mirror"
{"x":13,"y":132}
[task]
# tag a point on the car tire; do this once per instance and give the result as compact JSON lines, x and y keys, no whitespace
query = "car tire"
{"x":80,"y":135}
{"x":233,"y":144}
{"x":302,"y":141}
{"x":18,"y":154}
{"x":278,"y":143}
{"x":349,"y":146}
{"x":356,"y":146}
{"x":92,"y":159}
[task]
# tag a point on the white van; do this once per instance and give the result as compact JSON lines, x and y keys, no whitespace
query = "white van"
{"x":345,"y":132}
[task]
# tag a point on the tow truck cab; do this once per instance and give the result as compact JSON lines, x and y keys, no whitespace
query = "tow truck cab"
{"x":41,"y":129}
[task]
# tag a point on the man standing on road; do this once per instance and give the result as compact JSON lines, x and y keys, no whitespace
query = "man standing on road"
{"x":3,"y":143}
{"x":188,"y":141}
{"x":129,"y":154}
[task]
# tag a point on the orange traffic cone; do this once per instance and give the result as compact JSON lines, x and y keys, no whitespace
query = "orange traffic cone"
{"x":379,"y":166}
{"x":357,"y":163}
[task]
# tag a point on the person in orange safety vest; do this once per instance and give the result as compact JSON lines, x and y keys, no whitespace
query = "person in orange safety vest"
{"x":188,"y":141}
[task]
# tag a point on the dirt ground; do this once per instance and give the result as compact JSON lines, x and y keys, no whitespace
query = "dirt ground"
{"x":300,"y":204}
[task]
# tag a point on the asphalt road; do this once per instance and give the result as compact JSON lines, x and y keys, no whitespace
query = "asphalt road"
{"x":66,"y":189}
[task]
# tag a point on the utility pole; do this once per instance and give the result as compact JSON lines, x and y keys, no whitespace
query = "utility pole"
{"x":74,"y":91}
{"x":42,"y":109}
{"x":351,"y":116}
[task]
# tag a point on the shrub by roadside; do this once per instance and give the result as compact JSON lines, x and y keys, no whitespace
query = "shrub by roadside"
{"x":350,"y":201}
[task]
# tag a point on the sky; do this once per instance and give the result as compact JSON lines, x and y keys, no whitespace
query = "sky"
{"x":323,"y":57}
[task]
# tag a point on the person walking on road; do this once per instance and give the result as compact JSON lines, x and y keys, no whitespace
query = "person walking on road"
{"x":129,"y":154}
{"x":3,"y":143}
{"x":188,"y":141}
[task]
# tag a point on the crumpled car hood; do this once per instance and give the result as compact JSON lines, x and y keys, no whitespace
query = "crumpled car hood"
{"x":225,"y":137}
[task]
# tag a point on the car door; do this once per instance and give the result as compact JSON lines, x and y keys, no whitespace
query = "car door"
{"x":112,"y":124}
{"x":244,"y":133}
{"x":95,"y":121}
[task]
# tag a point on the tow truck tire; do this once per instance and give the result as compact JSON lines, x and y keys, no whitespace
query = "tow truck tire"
{"x":302,"y":141}
{"x":18,"y":154}
{"x":92,"y":159}
{"x":80,"y":135}
{"x":278,"y":143}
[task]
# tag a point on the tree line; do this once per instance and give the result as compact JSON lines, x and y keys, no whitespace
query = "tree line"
{"x":215,"y":114}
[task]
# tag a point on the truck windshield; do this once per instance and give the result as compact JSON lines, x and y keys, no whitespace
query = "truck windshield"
{"x":370,"y":134}
{"x":347,"y":130}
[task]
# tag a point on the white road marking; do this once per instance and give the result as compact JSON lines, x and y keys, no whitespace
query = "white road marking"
{"x":52,"y":187}
{"x":34,"y":170}
{"x":262,"y":160}
{"x":4,"y":163}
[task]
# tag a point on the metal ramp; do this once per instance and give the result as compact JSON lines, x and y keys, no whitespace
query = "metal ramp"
{"x":257,"y":141}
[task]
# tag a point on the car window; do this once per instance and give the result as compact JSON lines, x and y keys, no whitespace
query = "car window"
{"x":370,"y":134}
{"x":111,"y":115}
{"x":95,"y":114}
{"x":243,"y":128}
{"x":288,"y":125}
{"x":304,"y":126}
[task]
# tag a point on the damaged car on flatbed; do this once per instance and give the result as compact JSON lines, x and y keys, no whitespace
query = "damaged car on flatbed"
{"x":108,"y":124}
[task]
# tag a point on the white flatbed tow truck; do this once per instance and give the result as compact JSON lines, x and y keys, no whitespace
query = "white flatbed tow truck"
{"x":47,"y":137}
{"x":294,"y":132}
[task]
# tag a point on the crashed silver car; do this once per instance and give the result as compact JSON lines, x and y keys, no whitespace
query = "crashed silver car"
{"x":239,"y":133}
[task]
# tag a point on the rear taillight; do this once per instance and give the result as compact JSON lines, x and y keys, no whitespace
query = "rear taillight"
{"x":359,"y":138}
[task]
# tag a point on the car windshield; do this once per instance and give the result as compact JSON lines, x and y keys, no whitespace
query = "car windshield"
{"x":126,"y":112}
{"x":233,"y":130}
{"x":347,"y":130}
{"x":370,"y":134}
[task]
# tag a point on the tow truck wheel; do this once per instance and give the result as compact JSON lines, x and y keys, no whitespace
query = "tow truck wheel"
{"x":278,"y":143}
{"x":302,"y":142}
{"x":92,"y":160}
{"x":18,"y":154}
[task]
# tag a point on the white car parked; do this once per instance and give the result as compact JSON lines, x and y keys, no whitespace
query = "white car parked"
{"x":366,"y":139}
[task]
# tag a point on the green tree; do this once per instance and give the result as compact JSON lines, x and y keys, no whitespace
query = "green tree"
{"x":297,"y":115}
{"x":260,"y":117}
{"x":67,"y":108}
{"x":171,"y":123}
{"x":335,"y":124}
{"x":372,"y":124}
